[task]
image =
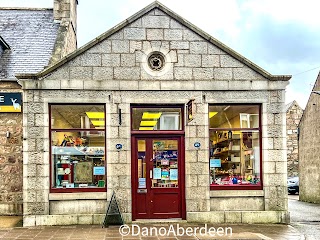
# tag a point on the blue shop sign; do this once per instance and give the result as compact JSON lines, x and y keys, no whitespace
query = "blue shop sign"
{"x":10,"y":102}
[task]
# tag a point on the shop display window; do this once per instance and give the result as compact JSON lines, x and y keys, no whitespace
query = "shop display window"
{"x":77,"y":148}
{"x":235,"y":146}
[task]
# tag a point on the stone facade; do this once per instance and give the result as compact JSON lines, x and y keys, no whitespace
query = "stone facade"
{"x":309,"y":151}
{"x":10,"y":157}
{"x":294,"y":114}
{"x":113,"y":70}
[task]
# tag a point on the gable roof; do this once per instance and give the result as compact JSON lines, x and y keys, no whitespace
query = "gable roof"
{"x":289,"y":105}
{"x":175,"y":16}
{"x":315,"y":88}
{"x":31,"y":34}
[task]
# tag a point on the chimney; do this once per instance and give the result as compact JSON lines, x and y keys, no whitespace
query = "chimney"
{"x":66,"y":11}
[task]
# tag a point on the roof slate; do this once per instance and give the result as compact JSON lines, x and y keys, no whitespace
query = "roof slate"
{"x":31,"y":35}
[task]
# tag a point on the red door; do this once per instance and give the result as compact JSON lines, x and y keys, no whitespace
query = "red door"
{"x":157,"y":178}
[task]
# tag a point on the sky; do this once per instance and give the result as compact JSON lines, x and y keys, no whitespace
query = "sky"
{"x":282,"y":37}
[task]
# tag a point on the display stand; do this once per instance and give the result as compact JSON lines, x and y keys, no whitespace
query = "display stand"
{"x":113,"y":215}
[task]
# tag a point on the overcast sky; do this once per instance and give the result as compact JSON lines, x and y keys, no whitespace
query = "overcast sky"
{"x":281,"y":36}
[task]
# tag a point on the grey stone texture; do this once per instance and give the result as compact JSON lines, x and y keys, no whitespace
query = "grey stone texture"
{"x":293,"y":115}
{"x":309,"y":151}
{"x":115,"y":71}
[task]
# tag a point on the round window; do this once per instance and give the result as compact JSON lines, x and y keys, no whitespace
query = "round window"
{"x":156,"y":61}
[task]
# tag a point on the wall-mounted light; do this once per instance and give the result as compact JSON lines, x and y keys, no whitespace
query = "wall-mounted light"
{"x":8,"y":134}
{"x":120,"y":117}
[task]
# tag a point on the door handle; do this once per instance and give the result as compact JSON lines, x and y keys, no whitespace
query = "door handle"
{"x":150,"y":174}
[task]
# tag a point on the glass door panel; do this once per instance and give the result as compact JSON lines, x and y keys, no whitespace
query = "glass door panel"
{"x":142,"y":166}
{"x":164,"y":164}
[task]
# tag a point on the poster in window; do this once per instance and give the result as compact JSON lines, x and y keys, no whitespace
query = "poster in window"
{"x":99,"y":170}
{"x":156,"y":173}
{"x":165,"y":174}
{"x":142,"y":183}
{"x":83,"y":172}
{"x":173,"y":174}
{"x":215,"y":162}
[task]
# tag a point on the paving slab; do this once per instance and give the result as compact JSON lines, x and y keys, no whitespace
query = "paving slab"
{"x":168,"y":231}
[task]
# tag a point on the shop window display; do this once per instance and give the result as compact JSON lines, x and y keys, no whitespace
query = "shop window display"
{"x":77,"y":147}
{"x":235,"y":137}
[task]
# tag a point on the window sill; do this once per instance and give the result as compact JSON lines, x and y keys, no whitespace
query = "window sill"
{"x":237,"y":193}
{"x":78,"y":196}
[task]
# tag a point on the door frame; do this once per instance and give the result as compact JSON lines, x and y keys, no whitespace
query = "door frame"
{"x":181,"y":172}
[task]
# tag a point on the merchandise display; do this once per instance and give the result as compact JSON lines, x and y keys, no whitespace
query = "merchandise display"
{"x":235,"y":135}
{"x":236,"y":156}
{"x":77,"y":136}
{"x":79,"y":166}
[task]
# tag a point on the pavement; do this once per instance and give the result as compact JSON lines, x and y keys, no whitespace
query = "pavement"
{"x":147,"y":231}
{"x":305,"y":225}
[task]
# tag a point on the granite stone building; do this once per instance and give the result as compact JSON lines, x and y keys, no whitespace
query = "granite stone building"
{"x":309,"y":152}
{"x":293,"y":115}
{"x":165,"y":116}
{"x":30,"y":40}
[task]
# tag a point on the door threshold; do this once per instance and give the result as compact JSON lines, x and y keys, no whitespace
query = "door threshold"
{"x":169,"y":220}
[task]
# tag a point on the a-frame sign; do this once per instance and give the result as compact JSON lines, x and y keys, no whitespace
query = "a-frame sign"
{"x":113,"y":215}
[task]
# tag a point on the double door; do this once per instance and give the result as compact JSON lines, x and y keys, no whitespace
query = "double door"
{"x":157,"y":178}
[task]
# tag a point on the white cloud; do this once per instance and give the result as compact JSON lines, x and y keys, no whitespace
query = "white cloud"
{"x":305,"y":12}
{"x":280,"y":36}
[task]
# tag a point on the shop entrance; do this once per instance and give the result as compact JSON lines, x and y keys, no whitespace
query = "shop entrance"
{"x":157,"y":178}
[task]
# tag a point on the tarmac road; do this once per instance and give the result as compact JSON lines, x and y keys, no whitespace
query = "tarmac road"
{"x":305,"y":217}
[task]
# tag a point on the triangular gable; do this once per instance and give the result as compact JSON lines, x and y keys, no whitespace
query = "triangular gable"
{"x":154,"y":6}
{"x":311,"y":101}
{"x":291,"y":104}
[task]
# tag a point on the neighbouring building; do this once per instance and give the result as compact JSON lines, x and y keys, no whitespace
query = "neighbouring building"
{"x":294,"y":113}
{"x":309,"y":150}
{"x":174,"y":122}
{"x":30,"y":40}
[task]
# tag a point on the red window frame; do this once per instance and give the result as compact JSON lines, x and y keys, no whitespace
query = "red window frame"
{"x":259,"y":129}
{"x":74,"y":190}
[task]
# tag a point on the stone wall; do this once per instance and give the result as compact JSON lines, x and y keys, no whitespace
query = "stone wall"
{"x":309,"y":150}
{"x":115,"y":71}
{"x":10,"y":157}
{"x":294,"y":114}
